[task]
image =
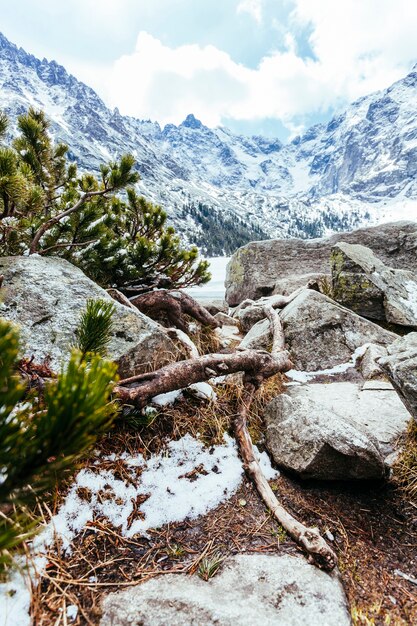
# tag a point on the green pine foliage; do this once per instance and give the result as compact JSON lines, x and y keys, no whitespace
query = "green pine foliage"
{"x":219,"y":234}
{"x":43,"y":439}
{"x":97,"y":222}
{"x":94,"y":330}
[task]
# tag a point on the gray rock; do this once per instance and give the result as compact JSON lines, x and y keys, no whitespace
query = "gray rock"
{"x":368,"y":364}
{"x":401,"y":367}
{"x":45,"y":296}
{"x":321,"y":333}
{"x":363,"y":283}
{"x":225,"y":319}
{"x":259,"y":337}
{"x":289,"y":284}
{"x":255,"y":269}
{"x":250,"y":590}
{"x":213,"y":306}
{"x":335,"y":431}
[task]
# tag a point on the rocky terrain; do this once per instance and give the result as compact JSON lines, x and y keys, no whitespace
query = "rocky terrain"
{"x":161,"y":525}
{"x":222,"y":190}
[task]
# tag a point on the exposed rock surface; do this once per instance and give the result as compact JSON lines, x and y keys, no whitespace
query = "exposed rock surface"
{"x":289,"y":284}
{"x":320,"y":333}
{"x":213,"y":306}
{"x":401,"y":367}
{"x":251,"y":590}
{"x":369,"y":363}
{"x":363,"y":283}
{"x":46,"y":296}
{"x":337,"y":430}
{"x":225,"y":319}
{"x":255,"y":269}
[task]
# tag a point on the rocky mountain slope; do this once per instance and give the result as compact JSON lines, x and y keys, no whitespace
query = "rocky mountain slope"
{"x":221,"y":189}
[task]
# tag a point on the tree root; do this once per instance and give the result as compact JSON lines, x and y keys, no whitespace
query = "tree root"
{"x":308,"y":538}
{"x":174,"y":304}
{"x":257,"y":365}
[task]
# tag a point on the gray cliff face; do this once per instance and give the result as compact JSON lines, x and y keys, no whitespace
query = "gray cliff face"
{"x":334,"y":177}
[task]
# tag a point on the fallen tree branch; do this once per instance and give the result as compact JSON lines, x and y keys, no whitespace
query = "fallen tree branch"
{"x":257,"y":365}
{"x":308,"y":538}
{"x":120,"y":298}
{"x":174,"y":304}
{"x":184,"y":373}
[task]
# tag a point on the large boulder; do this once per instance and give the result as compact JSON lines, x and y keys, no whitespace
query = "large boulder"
{"x":45,"y":296}
{"x":401,"y":367}
{"x":335,"y":431}
{"x":257,"y":269}
{"x":363,"y":283}
{"x":250,"y":590}
{"x":320,"y":333}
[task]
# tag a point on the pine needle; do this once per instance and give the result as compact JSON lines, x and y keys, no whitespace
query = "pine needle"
{"x":94,"y":330}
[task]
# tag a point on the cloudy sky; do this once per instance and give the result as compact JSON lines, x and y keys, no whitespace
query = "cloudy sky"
{"x":258,"y":66}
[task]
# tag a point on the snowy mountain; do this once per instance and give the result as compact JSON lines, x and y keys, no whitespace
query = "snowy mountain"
{"x":221,"y":189}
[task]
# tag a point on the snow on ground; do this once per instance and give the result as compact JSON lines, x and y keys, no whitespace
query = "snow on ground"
{"x":184,"y":481}
{"x":303,"y":377}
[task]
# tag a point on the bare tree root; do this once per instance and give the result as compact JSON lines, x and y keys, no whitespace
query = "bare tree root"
{"x":174,"y":333}
{"x":120,"y":297}
{"x":184,"y":373}
{"x":308,"y":538}
{"x":174,"y":304}
{"x":257,"y":365}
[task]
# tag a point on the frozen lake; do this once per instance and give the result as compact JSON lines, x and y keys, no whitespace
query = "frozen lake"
{"x":215,"y":288}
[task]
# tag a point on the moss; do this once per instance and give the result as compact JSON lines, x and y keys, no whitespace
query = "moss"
{"x":346,"y":287}
{"x":236,"y":271}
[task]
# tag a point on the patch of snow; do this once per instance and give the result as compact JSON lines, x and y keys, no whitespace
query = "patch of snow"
{"x":185,"y":481}
{"x":203,"y":391}
{"x":304,"y":377}
{"x":72,"y":612}
{"x":15,"y":593}
{"x":163,"y":399}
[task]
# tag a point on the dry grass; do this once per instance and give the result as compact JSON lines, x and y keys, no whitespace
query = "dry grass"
{"x":374,"y":535}
{"x":204,"y":420}
{"x":405,"y":469}
{"x":205,"y":338}
{"x":374,"y":528}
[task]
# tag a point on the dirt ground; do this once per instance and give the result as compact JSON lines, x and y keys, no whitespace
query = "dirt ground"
{"x":372,"y":527}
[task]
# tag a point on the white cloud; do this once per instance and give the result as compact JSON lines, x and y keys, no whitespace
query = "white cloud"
{"x":252,"y":7}
{"x":357,"y":46}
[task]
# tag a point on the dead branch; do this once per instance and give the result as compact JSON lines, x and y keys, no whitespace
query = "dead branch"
{"x":184,"y":373}
{"x":257,"y":365}
{"x":279,"y":301}
{"x":308,"y":538}
{"x":174,"y":304}
{"x":278,"y":340}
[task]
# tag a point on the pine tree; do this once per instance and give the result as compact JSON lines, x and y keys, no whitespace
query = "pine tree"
{"x":96,"y":222}
{"x":42,"y":439}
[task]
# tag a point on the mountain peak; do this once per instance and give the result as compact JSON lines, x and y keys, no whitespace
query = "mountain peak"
{"x":191,"y":122}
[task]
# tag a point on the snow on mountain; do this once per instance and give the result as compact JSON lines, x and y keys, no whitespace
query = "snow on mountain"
{"x":221,"y":189}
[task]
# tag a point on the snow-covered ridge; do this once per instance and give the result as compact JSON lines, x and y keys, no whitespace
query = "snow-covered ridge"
{"x":359,"y":168}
